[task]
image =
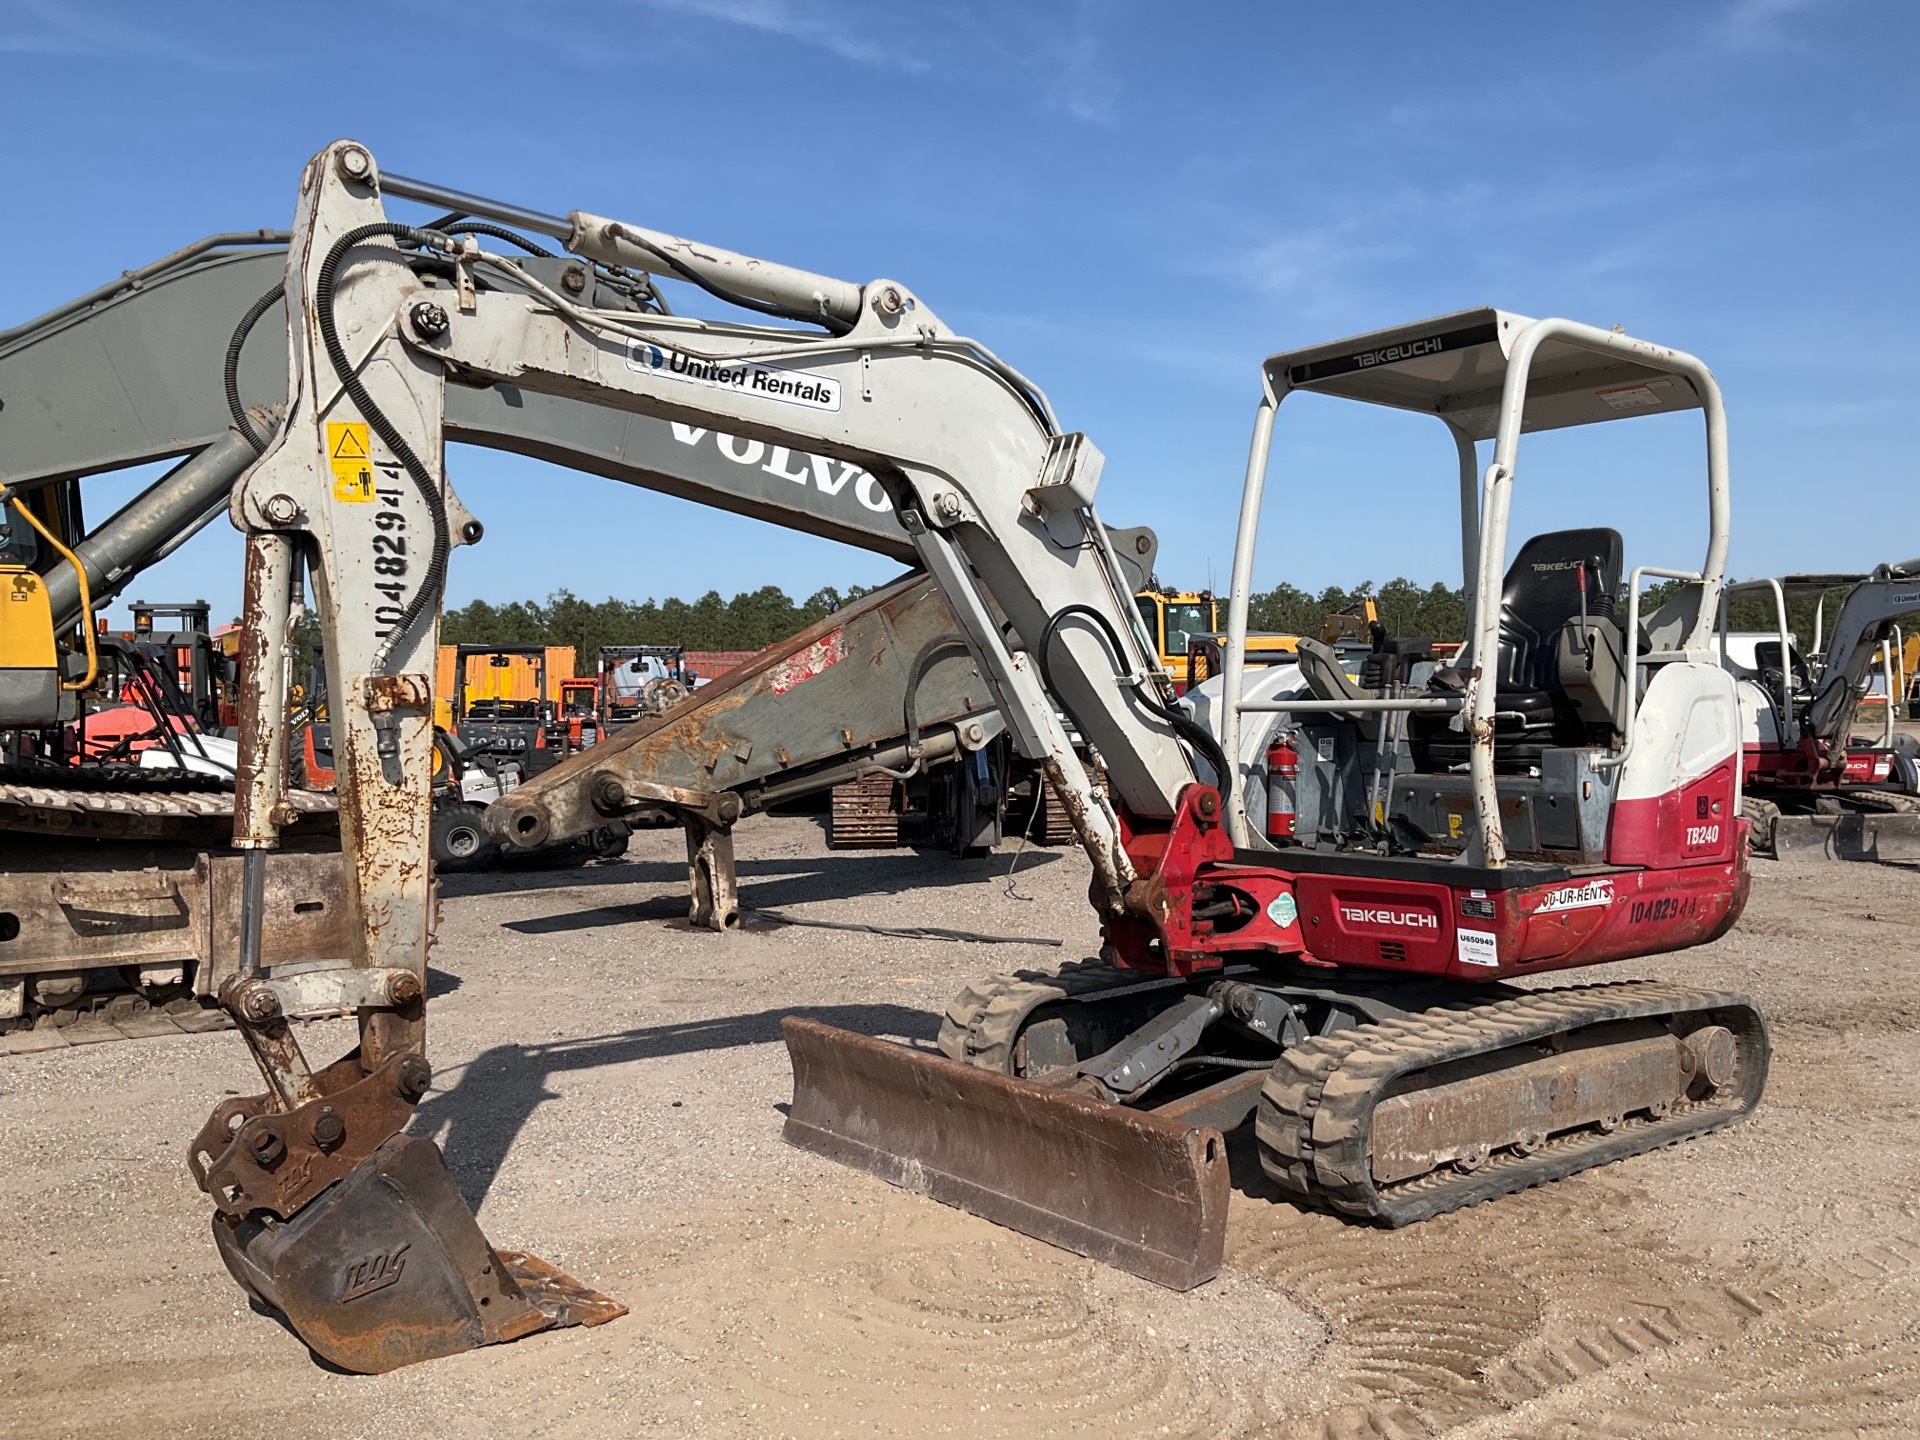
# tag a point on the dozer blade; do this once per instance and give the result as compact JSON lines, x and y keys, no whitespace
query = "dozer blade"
{"x":387,"y":1267}
{"x":1127,"y":1187}
{"x":1890,"y":837}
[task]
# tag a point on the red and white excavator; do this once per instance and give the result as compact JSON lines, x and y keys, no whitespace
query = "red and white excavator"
{"x":1811,"y":786}
{"x":1564,"y":794}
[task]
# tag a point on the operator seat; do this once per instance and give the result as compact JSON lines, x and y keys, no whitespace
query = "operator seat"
{"x":1327,"y":678}
{"x":1541,"y":594}
{"x":1766,"y":655}
{"x":1556,"y":683}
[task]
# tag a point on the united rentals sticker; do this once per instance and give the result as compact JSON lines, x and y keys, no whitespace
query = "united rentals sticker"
{"x":1576,"y":897}
{"x":740,"y":377}
{"x":1478,"y":947}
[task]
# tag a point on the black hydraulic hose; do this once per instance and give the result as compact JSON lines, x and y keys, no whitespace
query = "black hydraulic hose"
{"x":1184,"y":725}
{"x":241,"y":420}
{"x":498,"y":232}
{"x":939,"y":645}
{"x":428,"y":592}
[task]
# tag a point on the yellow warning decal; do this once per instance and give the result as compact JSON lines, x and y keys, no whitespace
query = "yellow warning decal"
{"x":352,"y":463}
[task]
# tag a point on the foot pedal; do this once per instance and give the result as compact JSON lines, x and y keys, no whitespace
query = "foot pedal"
{"x":387,"y":1267}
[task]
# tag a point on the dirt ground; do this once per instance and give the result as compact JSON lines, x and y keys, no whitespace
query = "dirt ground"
{"x":608,"y":1089}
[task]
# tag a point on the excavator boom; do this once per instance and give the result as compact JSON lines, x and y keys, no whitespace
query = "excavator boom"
{"x":1345,"y":975}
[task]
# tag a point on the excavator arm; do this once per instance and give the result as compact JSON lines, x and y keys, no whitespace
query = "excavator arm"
{"x":1865,"y":621}
{"x":387,"y":322}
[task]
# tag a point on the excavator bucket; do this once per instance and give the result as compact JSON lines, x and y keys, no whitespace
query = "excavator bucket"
{"x":387,"y":1267}
{"x":1136,"y":1190}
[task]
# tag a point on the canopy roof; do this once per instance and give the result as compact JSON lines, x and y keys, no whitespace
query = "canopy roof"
{"x":1453,"y":366}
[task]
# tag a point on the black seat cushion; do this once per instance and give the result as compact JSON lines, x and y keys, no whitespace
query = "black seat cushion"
{"x":1541,"y":593}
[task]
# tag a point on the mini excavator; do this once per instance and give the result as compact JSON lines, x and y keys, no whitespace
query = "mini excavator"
{"x":1565,"y":794}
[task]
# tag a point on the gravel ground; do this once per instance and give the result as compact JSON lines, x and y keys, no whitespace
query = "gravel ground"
{"x":608,"y":1089}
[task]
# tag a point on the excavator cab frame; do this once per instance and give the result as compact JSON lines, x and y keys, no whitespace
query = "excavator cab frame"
{"x":1490,"y":374}
{"x":1808,"y":788}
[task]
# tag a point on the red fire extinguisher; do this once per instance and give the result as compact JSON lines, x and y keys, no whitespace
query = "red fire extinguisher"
{"x":1283,"y":775}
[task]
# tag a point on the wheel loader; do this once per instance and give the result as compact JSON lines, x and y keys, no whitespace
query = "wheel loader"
{"x":1358,"y":983}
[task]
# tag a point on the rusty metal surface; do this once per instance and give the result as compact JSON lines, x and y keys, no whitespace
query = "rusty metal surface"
{"x":711,"y":880}
{"x":830,"y":693}
{"x":865,"y":815}
{"x":1134,"y":1189}
{"x":87,"y":906}
{"x":252,"y":1154}
{"x":1524,"y":1104}
{"x":388,"y":1268}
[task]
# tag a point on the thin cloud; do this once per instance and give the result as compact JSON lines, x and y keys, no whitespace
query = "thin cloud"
{"x":1089,"y":90}
{"x":1757,"y":25}
{"x":815,"y":25}
{"x":85,"y":32}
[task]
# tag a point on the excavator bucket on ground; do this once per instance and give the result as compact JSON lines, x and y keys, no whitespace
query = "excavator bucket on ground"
{"x":1136,"y":1190}
{"x":357,"y":1234}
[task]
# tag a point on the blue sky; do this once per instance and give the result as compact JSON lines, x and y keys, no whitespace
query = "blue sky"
{"x":1132,"y":202}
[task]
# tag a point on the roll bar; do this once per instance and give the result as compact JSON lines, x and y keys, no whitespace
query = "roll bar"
{"x":1485,"y":374}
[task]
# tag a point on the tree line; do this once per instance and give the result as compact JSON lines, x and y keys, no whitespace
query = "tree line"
{"x":754,"y":619}
{"x":751,"y":620}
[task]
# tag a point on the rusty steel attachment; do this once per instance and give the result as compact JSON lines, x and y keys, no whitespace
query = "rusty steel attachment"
{"x":1131,"y":1188}
{"x":388,"y":1268}
{"x":357,"y":1234}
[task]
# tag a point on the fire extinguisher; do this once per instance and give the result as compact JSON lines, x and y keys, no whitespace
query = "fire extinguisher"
{"x":1283,"y":776}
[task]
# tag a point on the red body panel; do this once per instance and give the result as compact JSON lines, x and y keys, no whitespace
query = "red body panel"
{"x":1768,"y":767}
{"x":1425,"y":927}
{"x":1689,"y":826}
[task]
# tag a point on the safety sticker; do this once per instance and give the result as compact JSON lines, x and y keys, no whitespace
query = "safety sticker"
{"x":1577,"y":897}
{"x":1282,"y":911}
{"x":352,"y":464}
{"x":1642,"y":396}
{"x":1478,"y":947}
{"x":742,"y":377}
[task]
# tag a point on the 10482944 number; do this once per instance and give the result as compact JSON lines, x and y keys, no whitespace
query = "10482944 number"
{"x":389,"y":546}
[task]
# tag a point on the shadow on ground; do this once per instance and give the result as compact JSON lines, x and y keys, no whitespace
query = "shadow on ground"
{"x":770,"y":884}
{"x":498,"y":1091}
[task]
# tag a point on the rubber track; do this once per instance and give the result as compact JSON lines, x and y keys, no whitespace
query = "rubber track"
{"x":1314,"y":1120}
{"x":1054,"y":827}
{"x":984,"y":1020}
{"x":145,"y":809}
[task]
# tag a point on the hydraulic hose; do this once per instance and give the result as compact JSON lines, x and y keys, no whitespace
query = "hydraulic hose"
{"x":80,"y":570}
{"x":241,"y":420}
{"x":1184,"y":725}
{"x":427,"y":594}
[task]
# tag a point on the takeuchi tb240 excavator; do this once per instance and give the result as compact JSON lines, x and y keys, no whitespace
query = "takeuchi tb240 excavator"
{"x":1567,"y":794}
